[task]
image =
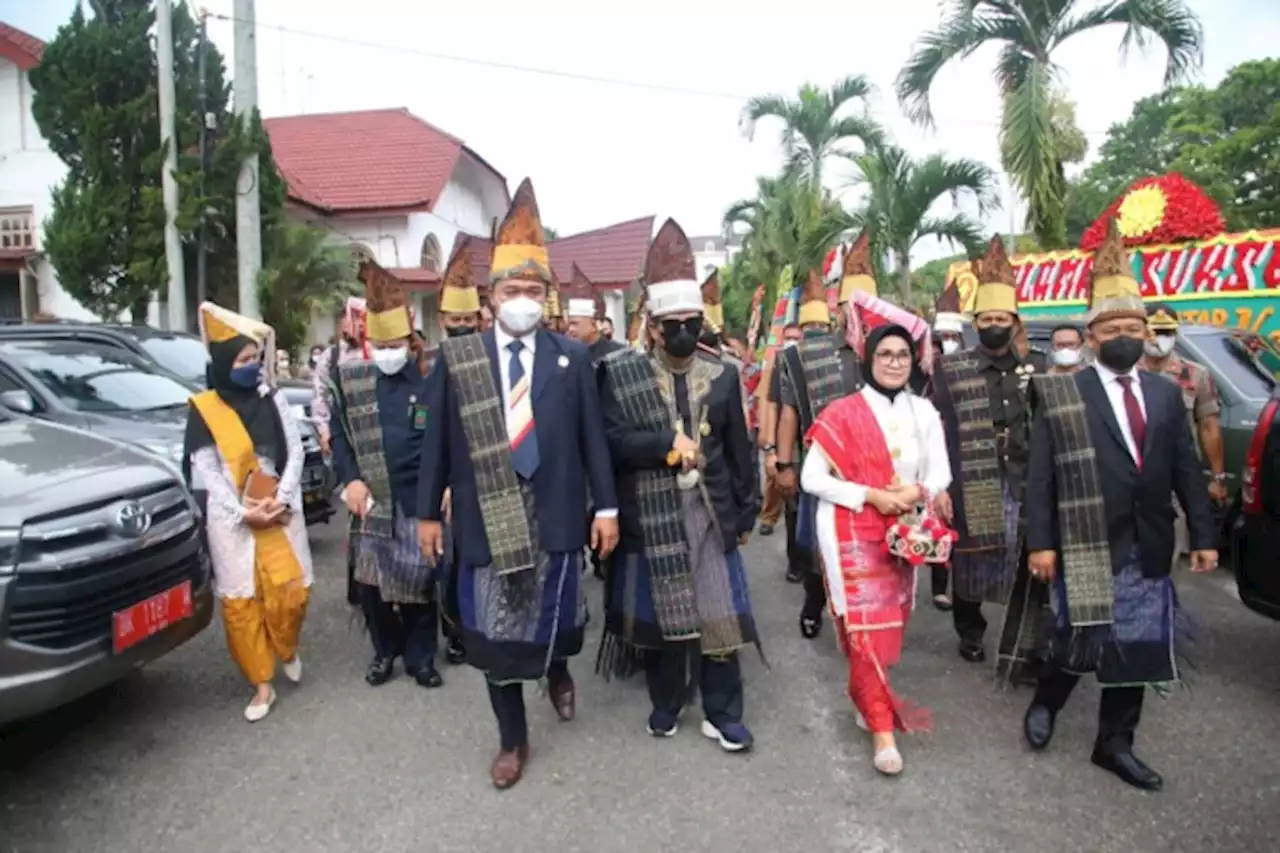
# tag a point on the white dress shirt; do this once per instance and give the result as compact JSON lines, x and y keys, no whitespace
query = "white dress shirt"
{"x":913,"y":432}
{"x":1115,"y":394}
{"x":501,"y":341}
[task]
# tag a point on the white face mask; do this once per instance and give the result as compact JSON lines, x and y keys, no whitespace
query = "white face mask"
{"x":391,"y":361}
{"x":520,"y":314}
{"x":1067,"y":357}
{"x":788,"y":344}
{"x":1161,"y":346}
{"x":950,"y":345}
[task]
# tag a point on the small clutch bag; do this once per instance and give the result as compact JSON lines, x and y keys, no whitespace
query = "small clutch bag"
{"x":259,"y":486}
{"x":919,"y":537}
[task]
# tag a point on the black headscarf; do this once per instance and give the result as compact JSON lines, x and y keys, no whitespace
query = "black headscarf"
{"x":258,"y":413}
{"x":878,"y":334}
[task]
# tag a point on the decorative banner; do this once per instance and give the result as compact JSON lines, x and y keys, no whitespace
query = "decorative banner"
{"x":1232,"y":280}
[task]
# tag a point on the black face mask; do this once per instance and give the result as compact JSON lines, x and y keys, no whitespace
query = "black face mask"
{"x":1121,"y":354}
{"x":459,"y":331}
{"x":681,"y":336}
{"x":995,"y":337}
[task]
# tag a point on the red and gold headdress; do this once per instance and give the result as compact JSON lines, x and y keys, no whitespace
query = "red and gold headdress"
{"x":1113,"y":292}
{"x":858,"y":272}
{"x":458,"y":292}
{"x":997,"y":284}
{"x":520,"y":246}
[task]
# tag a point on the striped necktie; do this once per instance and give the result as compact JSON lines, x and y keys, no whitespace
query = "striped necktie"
{"x":520,"y":426}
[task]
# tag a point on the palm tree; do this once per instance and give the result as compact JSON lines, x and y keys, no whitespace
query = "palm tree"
{"x":789,"y":222}
{"x":305,"y":272}
{"x":1028,"y":32}
{"x":901,"y":192}
{"x":812,"y":129}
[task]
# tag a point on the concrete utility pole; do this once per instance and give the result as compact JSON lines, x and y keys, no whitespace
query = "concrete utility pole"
{"x":248,"y":216}
{"x":177,"y":290}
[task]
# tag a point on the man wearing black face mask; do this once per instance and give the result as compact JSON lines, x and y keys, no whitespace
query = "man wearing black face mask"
{"x":688,"y":494}
{"x":983,"y":397}
{"x":459,"y":313}
{"x":819,"y":369}
{"x":1110,"y":444}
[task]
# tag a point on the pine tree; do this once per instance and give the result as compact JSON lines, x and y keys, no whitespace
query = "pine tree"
{"x":96,"y":102}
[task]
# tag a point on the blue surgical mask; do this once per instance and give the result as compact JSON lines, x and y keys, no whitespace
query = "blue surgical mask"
{"x":247,"y":376}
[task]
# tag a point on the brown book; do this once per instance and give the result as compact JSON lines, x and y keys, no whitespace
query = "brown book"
{"x":259,"y":486}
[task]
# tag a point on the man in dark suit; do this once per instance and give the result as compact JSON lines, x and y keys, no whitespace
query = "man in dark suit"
{"x":515,"y":432}
{"x":689,"y":491}
{"x":1109,"y":446}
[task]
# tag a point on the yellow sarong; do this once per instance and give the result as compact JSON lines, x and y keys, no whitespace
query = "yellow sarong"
{"x":266,"y":627}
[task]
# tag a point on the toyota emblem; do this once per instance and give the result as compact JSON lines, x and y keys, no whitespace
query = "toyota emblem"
{"x":133,"y":520}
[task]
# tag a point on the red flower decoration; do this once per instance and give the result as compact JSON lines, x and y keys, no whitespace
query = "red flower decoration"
{"x":903,"y":531}
{"x":930,"y":524}
{"x":916,"y":559}
{"x":1188,"y":214}
{"x":937,"y":533}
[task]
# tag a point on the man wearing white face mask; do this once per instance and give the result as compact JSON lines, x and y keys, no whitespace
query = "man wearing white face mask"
{"x":948,"y":322}
{"x":517,"y":436}
{"x":1066,"y":350}
{"x":378,"y":420}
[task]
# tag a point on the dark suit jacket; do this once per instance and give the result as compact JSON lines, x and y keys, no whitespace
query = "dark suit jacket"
{"x":731,"y":477}
{"x":1138,"y":506}
{"x":572,"y":450}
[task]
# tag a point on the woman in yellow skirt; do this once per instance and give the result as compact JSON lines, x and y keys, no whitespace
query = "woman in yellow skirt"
{"x":243,"y":449}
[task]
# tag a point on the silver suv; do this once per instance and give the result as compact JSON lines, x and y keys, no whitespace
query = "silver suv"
{"x":102,"y":564}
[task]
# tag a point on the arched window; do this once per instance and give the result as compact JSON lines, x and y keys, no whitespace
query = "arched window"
{"x":430,"y":260}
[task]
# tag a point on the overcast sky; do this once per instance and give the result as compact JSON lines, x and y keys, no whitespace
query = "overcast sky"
{"x":602,"y":152}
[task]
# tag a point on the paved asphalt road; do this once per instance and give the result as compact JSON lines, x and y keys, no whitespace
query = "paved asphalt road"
{"x":164,"y":762}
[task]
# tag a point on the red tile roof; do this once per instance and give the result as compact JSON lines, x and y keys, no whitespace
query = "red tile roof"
{"x":612,"y":256}
{"x":22,"y":49}
{"x":373,"y":160}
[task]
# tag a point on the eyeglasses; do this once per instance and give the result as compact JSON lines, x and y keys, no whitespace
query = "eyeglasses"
{"x":892,"y":358}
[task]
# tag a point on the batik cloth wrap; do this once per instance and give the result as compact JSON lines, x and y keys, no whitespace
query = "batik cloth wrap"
{"x":1120,"y":625}
{"x":812,"y":371}
{"x":870,"y":592}
{"x":985,"y":560}
{"x":648,"y":403}
{"x":507,"y":527}
{"x":683,"y":588}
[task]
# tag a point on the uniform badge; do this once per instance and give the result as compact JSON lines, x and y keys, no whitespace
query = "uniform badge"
{"x":563,"y":361}
{"x":419,"y":418}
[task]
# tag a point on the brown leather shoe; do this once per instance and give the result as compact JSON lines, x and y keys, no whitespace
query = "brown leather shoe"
{"x":508,"y":767}
{"x":561,"y":693}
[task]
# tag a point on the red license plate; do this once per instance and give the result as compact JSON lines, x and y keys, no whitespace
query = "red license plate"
{"x":150,"y":617}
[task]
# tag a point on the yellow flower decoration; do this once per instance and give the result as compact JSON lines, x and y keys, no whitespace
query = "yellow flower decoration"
{"x":1142,"y":211}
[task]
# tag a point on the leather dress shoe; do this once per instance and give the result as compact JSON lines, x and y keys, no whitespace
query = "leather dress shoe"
{"x":508,"y":767}
{"x":428,"y":676}
{"x":454,"y":652}
{"x":972,"y":651}
{"x":561,"y":693}
{"x":1037,"y":725}
{"x":1127,"y":766}
{"x":380,"y":671}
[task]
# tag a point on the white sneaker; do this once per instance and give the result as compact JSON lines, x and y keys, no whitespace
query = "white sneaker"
{"x":293,"y":668}
{"x":253,"y":713}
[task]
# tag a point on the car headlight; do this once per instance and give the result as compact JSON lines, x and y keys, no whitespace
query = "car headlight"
{"x":10,"y":539}
{"x":169,"y":451}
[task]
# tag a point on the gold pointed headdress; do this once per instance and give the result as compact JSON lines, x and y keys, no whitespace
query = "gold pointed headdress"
{"x":997,"y":284}
{"x":386,"y":308}
{"x":458,"y":293}
{"x":520,"y":246}
{"x":581,"y":296}
{"x":1113,"y":291}
{"x":813,"y":301}
{"x":220,"y":325}
{"x":712,"y":307}
{"x":858,"y":272}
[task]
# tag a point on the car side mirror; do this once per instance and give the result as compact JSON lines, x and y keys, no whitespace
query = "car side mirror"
{"x":18,"y":401}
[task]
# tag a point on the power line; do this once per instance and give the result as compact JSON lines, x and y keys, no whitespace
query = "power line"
{"x":563,"y":75}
